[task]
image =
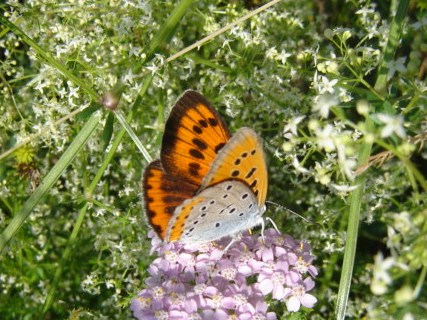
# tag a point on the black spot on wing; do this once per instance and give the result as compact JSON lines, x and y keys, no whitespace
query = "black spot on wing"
{"x":170,"y":209}
{"x":250,"y":173}
{"x":196,"y":154}
{"x":219,"y":147}
{"x":151,"y":213}
{"x":197,"y":129}
{"x":213,"y":122}
{"x":172,"y":199}
{"x":194,"y":169}
{"x":199,"y":143}
{"x":157,"y":228}
{"x":203,"y":123}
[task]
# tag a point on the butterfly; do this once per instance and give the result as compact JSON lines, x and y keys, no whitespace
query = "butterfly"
{"x":207,"y":184}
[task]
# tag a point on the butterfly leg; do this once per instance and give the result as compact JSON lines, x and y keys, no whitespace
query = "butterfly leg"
{"x":229,"y":245}
{"x":262,"y":230}
{"x":272,"y":222}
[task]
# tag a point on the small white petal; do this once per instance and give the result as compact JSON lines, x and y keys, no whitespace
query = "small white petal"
{"x":293,"y":304}
{"x":308,"y":300}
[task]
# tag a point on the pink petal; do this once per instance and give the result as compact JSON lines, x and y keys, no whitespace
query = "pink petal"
{"x":278,"y":292}
{"x":228,"y":303}
{"x":312,"y":271}
{"x":308,"y":300}
{"x":217,"y":314}
{"x":292,"y":278}
{"x":293,"y":304}
{"x":245,"y":270}
{"x":279,"y":251}
{"x":292,"y":258}
{"x":210,"y":291}
{"x":308,"y":284}
{"x":266,"y":286}
{"x":190,"y":306}
{"x":267,"y":254}
{"x":288,"y":292}
{"x":271,"y":316}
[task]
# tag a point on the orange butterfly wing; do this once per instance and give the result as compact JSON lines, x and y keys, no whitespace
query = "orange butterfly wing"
{"x":242,"y":159}
{"x":194,"y":133}
{"x":162,"y":194}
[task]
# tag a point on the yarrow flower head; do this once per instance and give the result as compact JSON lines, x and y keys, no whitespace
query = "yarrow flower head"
{"x":205,"y":282}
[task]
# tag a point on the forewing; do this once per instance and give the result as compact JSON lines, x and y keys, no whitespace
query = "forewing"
{"x":194,"y":133}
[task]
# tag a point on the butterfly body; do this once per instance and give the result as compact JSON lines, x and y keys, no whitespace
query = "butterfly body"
{"x":207,"y":183}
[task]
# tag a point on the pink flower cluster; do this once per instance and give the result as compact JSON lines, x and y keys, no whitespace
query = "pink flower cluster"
{"x":204,"y":282}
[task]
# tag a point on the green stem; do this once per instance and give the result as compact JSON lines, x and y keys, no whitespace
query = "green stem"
{"x":123,"y":122}
{"x":50,"y":179}
{"x":356,"y":200}
{"x":420,"y":283}
{"x":169,"y":26}
{"x":77,"y":225}
{"x":394,"y":37}
{"x":357,"y":195}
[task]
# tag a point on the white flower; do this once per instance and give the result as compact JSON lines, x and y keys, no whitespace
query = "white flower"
{"x":325,"y":138}
{"x":323,"y":103}
{"x":292,"y":125}
{"x":325,"y":85}
{"x":403,"y":222}
{"x":109,"y":284}
{"x":365,"y":11}
{"x":408,"y":316}
{"x":129,"y":77}
{"x":328,"y":86}
{"x":73,"y":91}
{"x":393,"y":124}
{"x":322,"y":174}
{"x":283,"y":56}
{"x":298,"y":166}
{"x":271,"y":53}
{"x":393,"y":66}
{"x":347,"y":164}
{"x":344,"y":188}
{"x":381,"y":277}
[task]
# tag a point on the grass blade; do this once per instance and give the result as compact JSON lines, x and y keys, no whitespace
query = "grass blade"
{"x":357,"y":195}
{"x":352,"y":231}
{"x":168,"y":28}
{"x":50,"y":179}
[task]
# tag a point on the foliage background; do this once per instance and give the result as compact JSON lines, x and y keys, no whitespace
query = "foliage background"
{"x":318,"y":80}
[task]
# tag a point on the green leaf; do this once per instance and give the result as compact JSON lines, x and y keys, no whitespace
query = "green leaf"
{"x":86,"y":113}
{"x":107,"y":133}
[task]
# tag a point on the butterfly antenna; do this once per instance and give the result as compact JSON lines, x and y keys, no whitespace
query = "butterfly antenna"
{"x":274,"y":224}
{"x":291,"y":211}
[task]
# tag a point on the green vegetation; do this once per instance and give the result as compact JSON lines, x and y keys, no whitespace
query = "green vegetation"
{"x":336,"y":89}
